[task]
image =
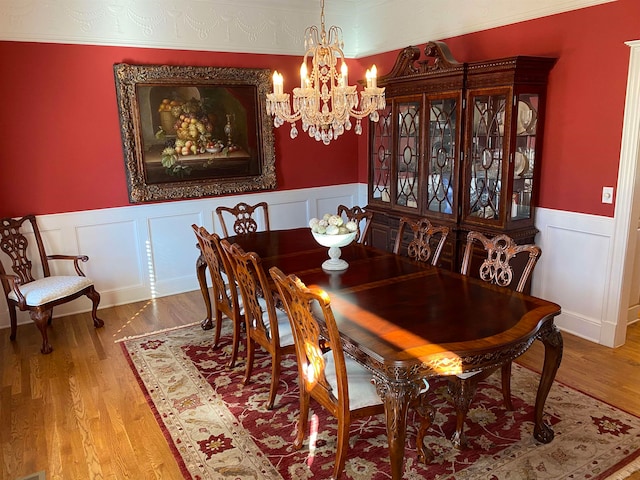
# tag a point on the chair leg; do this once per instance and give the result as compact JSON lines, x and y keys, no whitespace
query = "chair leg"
{"x":250,"y":356}
{"x":95,"y":299}
{"x":342,"y":446}
{"x":275,"y":379}
{"x":41,"y":319}
{"x":14,"y":322}
{"x":237,"y":326}
{"x":303,"y":420}
{"x":218,"y":330}
{"x":506,"y":385}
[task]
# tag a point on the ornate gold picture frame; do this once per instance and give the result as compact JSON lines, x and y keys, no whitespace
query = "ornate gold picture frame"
{"x":190,"y":132}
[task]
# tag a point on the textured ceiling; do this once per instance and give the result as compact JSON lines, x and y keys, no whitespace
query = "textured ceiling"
{"x":262,"y":26}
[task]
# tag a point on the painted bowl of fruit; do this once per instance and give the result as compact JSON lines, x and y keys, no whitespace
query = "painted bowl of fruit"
{"x":214,"y":147}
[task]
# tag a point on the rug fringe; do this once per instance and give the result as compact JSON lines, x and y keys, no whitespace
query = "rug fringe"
{"x":626,"y":472}
{"x":164,"y":330}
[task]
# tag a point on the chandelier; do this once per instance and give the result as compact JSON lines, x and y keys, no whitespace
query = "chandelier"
{"x":325,"y":102}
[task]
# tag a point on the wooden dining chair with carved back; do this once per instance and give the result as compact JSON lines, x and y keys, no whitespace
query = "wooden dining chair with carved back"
{"x":226,"y":299}
{"x":425,"y":243}
{"x":266,"y":325}
{"x":362,"y":219}
{"x":334,"y":380}
{"x":244,"y":218}
{"x":496,"y":268}
{"x":38,"y":296}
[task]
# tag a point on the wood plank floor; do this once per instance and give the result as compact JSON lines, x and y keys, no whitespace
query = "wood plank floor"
{"x":79,"y":413}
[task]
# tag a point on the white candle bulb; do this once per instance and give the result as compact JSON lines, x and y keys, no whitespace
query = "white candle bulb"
{"x":343,"y":70}
{"x":277,"y":83}
{"x":303,"y":75}
{"x":374,"y":75}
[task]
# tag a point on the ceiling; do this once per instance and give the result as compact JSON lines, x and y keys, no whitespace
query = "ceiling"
{"x":263,"y":26}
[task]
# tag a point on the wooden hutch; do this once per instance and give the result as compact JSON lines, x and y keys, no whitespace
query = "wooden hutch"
{"x":460,"y":144}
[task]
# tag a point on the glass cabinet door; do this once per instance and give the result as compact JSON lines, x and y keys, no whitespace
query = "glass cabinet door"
{"x":442,"y":152}
{"x":380,"y":185}
{"x":408,"y":154}
{"x":526,"y":114}
{"x":486,"y":156}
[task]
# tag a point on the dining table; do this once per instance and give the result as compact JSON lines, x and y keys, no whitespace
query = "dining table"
{"x":408,"y":322}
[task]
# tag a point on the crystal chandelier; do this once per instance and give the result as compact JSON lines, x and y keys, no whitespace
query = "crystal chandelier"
{"x":325,"y":102}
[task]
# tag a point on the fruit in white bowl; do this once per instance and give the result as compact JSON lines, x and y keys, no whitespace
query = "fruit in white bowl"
{"x":332,"y":232}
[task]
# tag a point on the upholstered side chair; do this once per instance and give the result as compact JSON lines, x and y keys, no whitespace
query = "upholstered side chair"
{"x":242,"y":218}
{"x":497,"y":269}
{"x":361,"y":217}
{"x":334,"y":380}
{"x":426,"y":240}
{"x":226,"y":300}
{"x":38,"y":296}
{"x":266,"y":325}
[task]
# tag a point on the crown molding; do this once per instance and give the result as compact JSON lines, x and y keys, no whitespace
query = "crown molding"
{"x":258,"y":26}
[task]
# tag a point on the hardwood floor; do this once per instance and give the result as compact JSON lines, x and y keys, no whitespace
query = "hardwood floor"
{"x":79,"y":412}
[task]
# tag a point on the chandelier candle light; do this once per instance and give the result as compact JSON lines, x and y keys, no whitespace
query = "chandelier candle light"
{"x":325,"y":102}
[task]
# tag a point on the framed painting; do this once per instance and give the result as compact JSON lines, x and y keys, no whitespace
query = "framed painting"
{"x":190,"y":132}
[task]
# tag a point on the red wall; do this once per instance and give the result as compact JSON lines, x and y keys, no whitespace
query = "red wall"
{"x":61,"y":133}
{"x":586,"y":95}
{"x":61,"y":136}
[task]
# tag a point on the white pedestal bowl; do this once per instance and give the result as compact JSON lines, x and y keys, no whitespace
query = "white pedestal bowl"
{"x":334,"y":242}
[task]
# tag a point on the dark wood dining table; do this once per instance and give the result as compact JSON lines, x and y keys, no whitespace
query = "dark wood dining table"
{"x":408,"y":322}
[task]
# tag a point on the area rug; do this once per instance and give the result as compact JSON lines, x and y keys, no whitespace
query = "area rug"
{"x":220,"y":428}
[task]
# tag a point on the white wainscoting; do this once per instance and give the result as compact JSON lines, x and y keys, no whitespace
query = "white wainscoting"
{"x":146,"y":251}
{"x":574,"y":269}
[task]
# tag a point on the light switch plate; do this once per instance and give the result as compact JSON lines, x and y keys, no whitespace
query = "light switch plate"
{"x":607,"y":194}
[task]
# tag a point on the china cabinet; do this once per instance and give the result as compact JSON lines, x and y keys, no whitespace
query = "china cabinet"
{"x":459,"y":143}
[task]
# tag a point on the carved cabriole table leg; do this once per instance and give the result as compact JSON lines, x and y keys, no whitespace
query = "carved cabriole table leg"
{"x":397,"y":398}
{"x":201,"y":272}
{"x":427,"y":413}
{"x":551,"y":338}
{"x":462,"y":392}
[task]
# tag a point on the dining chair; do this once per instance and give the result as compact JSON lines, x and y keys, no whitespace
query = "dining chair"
{"x":38,"y":296}
{"x":362,"y":219}
{"x":496,"y":268}
{"x":335,"y":381}
{"x":243,"y":216}
{"x":225,"y":293}
{"x":422,"y":246}
{"x":266,"y":325}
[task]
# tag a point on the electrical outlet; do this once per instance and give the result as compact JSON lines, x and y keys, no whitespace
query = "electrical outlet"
{"x":607,"y":194}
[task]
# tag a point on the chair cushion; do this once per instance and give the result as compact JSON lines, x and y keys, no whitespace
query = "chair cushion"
{"x":362,"y":392}
{"x":238,"y":295}
{"x":284,"y":326}
{"x":48,"y":289}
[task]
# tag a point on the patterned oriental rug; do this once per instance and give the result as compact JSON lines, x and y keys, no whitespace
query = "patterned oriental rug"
{"x":220,"y":429}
